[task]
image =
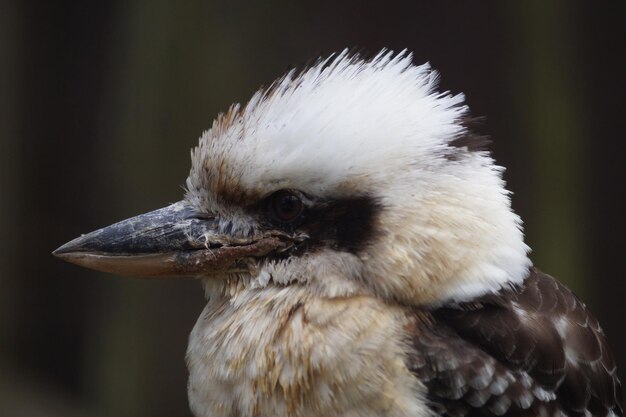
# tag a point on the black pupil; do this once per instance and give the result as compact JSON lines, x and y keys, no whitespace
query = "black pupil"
{"x":287,"y":207}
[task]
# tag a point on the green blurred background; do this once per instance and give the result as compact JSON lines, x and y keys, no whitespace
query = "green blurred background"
{"x":100,"y":103}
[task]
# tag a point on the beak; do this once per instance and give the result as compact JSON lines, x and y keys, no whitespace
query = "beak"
{"x":174,"y":241}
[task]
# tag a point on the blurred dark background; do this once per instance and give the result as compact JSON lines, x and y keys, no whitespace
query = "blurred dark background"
{"x":100,"y":102}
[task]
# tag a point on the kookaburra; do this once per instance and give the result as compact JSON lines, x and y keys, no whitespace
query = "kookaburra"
{"x":360,"y":257}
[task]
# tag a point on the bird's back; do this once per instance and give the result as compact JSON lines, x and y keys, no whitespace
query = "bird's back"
{"x":534,"y":350}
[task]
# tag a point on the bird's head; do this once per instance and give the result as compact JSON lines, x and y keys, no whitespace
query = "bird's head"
{"x":352,"y":176}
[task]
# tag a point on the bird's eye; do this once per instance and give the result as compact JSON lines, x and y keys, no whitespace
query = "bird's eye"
{"x":285,"y":206}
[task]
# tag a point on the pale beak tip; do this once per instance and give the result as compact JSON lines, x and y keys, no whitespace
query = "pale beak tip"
{"x":67,"y":249}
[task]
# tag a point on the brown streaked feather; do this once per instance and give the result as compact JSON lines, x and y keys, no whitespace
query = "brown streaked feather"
{"x":530,"y":351}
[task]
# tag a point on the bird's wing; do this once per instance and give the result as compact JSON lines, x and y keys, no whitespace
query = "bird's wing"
{"x":530,"y":351}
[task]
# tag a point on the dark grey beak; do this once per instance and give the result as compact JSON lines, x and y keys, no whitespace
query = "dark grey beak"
{"x":174,"y":241}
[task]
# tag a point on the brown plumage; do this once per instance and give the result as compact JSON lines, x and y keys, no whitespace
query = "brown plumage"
{"x":533,"y":350}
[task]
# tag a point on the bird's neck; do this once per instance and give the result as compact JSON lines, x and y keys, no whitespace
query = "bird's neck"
{"x":284,"y":351}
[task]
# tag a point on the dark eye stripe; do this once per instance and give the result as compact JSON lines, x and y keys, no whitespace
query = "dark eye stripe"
{"x":347,"y":224}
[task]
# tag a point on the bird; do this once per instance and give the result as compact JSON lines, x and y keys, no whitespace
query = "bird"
{"x":359,"y":255}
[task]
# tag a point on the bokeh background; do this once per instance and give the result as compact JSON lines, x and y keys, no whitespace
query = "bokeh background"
{"x":100,"y":102}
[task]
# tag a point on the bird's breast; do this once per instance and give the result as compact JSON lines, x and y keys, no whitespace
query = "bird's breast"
{"x":279,"y":351}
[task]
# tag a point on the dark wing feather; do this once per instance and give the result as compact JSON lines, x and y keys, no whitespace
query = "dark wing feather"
{"x":529,"y":351}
